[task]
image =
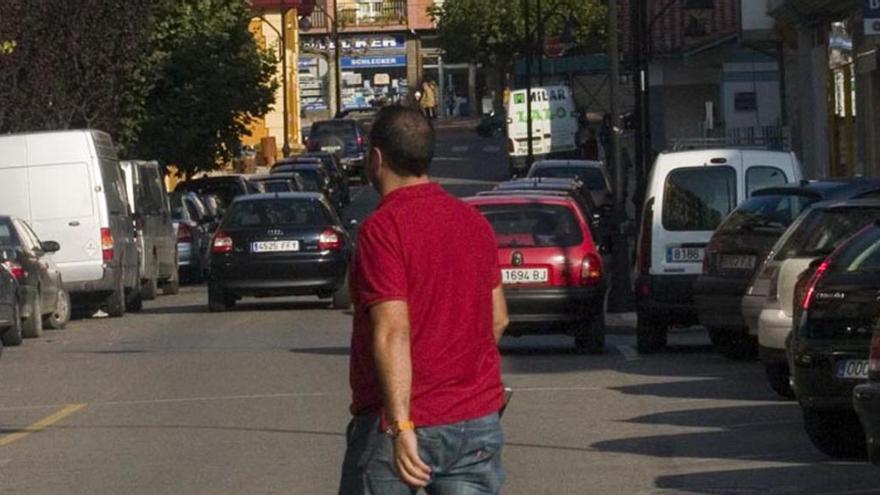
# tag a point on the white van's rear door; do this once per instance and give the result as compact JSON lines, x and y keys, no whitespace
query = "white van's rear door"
{"x":63,"y":209}
{"x":695,"y":198}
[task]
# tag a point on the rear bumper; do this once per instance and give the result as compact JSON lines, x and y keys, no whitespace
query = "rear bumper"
{"x":670,"y":297}
{"x":94,"y":290}
{"x":817,"y":387}
{"x":280,"y":278}
{"x":774,"y":328}
{"x":719,"y":302}
{"x":866,"y":400}
{"x":551,"y":310}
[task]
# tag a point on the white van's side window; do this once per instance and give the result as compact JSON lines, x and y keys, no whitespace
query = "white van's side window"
{"x":762,"y":177}
{"x":60,"y":191}
{"x":698,"y":198}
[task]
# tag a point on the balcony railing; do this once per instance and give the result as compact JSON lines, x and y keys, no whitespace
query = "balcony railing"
{"x":364,"y":13}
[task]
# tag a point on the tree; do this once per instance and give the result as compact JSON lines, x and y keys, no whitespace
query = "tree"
{"x":211,"y":82}
{"x":492,"y":32}
{"x":72,"y":64}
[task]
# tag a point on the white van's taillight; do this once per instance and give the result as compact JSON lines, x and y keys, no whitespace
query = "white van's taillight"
{"x":643,"y":254}
{"x":107,"y":244}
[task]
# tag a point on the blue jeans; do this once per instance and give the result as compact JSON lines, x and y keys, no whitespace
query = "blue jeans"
{"x":465,"y":458}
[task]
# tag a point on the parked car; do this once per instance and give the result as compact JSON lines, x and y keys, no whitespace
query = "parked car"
{"x":741,"y":243}
{"x":148,"y":200}
{"x":279,"y":245}
{"x":68,"y":186}
{"x":345,"y":138}
{"x":492,"y":125}
{"x":41,"y":295}
{"x":194,"y":227}
{"x":600,"y":217}
{"x":10,"y":313}
{"x":314,"y":179}
{"x":279,"y":183}
{"x":551,"y":268}
{"x":214,"y":205}
{"x":591,"y":173}
{"x":829,"y":350}
{"x":813,"y":236}
{"x":336,"y":170}
{"x":226,"y":187}
{"x":688,"y":194}
{"x":338,"y":180}
{"x":866,"y":399}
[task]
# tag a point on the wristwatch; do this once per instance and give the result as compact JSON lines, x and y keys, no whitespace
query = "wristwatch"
{"x":395,"y":428}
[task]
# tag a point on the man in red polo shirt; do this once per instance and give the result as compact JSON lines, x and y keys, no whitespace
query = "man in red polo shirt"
{"x":429,"y":311}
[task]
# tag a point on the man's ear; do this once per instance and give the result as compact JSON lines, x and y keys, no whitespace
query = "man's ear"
{"x":376,"y":158}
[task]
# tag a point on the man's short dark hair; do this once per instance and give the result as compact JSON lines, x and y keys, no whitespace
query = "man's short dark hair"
{"x":406,"y":139}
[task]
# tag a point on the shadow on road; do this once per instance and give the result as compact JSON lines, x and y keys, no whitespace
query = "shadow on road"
{"x":322,"y":351}
{"x":241,"y":307}
{"x":810,"y":479}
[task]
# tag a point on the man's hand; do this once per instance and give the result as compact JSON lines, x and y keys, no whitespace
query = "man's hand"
{"x":407,"y":463}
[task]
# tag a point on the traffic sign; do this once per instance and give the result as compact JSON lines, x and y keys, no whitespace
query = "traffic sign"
{"x":871,"y":15}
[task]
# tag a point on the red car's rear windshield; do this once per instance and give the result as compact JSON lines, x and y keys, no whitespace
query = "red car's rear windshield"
{"x":533,"y":225}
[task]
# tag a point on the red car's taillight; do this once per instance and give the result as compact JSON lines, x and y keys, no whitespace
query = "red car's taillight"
{"x":17,"y":271}
{"x":222,"y":243}
{"x":329,"y":240}
{"x":874,"y":359}
{"x":107,"y":244}
{"x":810,"y":290}
{"x":184,"y":233}
{"x":591,"y":270}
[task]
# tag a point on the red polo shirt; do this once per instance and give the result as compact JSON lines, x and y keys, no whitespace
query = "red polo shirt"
{"x":438,"y":254}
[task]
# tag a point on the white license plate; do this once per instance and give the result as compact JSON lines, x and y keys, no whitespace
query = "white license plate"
{"x":274,"y":246}
{"x":524,"y":275}
{"x":685,"y":255}
{"x":853,"y":368}
{"x":331,"y":149}
{"x":738,"y":262}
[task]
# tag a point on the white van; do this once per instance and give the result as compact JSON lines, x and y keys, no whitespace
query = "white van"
{"x":68,"y":185}
{"x":155,"y":233}
{"x":688,"y":194}
{"x":554,"y":126}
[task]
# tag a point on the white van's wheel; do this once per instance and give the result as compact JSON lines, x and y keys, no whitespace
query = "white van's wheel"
{"x":32,"y":326}
{"x":116,"y":301}
{"x":172,"y":286}
{"x":150,"y":287}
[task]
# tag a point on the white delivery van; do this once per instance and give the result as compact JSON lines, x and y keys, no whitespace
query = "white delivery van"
{"x":68,"y":185}
{"x":688,"y":194}
{"x":554,"y":126}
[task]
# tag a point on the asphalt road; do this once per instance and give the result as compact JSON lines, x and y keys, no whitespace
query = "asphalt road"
{"x":176,"y":400}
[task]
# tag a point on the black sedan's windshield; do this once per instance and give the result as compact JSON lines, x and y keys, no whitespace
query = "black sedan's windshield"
{"x":770,"y":213}
{"x":266,"y":213}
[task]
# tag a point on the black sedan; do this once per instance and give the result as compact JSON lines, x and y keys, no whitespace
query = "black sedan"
{"x":285,"y":244}
{"x":828,"y":349}
{"x":10,"y":319}
{"x":41,"y":295}
{"x":866,"y":399}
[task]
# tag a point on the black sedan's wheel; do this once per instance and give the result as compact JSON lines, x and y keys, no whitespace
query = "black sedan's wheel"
{"x":779,"y":378}
{"x":650,"y":333}
{"x":58,"y":319}
{"x":12,"y":335}
{"x":219,"y":300}
{"x":32,"y":326}
{"x":835,"y":433}
{"x":342,"y":296}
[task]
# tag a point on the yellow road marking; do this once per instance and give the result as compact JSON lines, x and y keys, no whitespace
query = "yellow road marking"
{"x":41,"y":424}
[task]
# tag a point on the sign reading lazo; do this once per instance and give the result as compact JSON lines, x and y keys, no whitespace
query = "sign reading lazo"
{"x":871,"y":14}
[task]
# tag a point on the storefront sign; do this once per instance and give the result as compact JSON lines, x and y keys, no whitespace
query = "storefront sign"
{"x":382,"y":79}
{"x":361,"y":43}
{"x":871,"y":14}
{"x":373,"y":61}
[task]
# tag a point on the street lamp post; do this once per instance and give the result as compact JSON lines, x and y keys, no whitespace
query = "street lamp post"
{"x":285,"y":150}
{"x":528,"y":49}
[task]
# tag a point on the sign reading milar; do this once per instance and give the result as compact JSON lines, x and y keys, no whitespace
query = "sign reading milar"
{"x":871,"y":14}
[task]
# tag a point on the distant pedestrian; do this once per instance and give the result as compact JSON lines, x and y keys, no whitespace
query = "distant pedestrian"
{"x":437,"y":97}
{"x":428,"y":103}
{"x":425,"y":372}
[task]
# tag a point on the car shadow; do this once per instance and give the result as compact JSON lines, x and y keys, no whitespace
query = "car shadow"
{"x":240,"y":307}
{"x":803,"y":479}
{"x":322,"y":351}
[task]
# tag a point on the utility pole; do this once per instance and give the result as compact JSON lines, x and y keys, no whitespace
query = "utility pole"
{"x":529,"y":46}
{"x":540,"y":44}
{"x":620,"y":298}
{"x":285,"y":149}
{"x":337,"y":50}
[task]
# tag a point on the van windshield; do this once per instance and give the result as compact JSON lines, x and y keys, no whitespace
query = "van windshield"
{"x":823,"y":230}
{"x":698,"y":198}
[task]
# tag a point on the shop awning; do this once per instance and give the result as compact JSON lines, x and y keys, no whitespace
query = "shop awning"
{"x":303,"y":7}
{"x":811,"y":11}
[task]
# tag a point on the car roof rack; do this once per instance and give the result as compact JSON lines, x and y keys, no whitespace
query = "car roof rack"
{"x":765,"y":142}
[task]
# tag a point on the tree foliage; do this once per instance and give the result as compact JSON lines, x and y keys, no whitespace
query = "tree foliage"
{"x":493,"y":32}
{"x":72,"y":64}
{"x":178,"y":81}
{"x":212,"y":81}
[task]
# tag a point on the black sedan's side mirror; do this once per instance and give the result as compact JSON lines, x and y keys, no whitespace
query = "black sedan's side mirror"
{"x":50,"y":246}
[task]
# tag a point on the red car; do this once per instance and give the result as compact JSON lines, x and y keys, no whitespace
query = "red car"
{"x":550,"y":266}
